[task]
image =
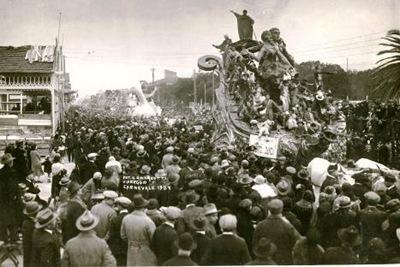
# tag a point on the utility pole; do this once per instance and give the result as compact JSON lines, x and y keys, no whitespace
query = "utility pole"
{"x":194,"y":87}
{"x":213,"y":91}
{"x":152,"y":81}
{"x":205,"y":93}
{"x":347,"y":64}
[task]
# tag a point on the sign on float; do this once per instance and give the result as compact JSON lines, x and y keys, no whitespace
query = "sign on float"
{"x":266,"y":147}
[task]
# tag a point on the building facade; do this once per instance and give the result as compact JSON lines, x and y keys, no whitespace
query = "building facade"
{"x":34,"y":91}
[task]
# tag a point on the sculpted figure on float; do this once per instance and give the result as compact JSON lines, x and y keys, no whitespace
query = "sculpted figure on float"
{"x":142,"y":107}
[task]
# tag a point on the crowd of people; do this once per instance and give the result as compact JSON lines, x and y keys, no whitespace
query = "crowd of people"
{"x":374,"y":130}
{"x":223,"y":205}
{"x":209,"y":203}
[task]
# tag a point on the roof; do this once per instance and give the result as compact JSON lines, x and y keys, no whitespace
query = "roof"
{"x":12,"y":59}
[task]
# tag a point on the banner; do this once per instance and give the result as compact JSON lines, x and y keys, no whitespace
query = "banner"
{"x":266,"y":147}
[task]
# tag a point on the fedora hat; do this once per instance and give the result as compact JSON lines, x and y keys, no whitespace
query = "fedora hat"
{"x":87,"y":221}
{"x":225,"y":163}
{"x":73,"y":187}
{"x":139,"y":201}
{"x":210,"y":208}
{"x":190,"y":196}
{"x":65,"y":181}
{"x":259,"y":179}
{"x":329,"y":134}
{"x":141,"y":153}
{"x":350,"y":235}
{"x":31,"y":208}
{"x":344,"y":202}
{"x":264,"y":248}
{"x":392,"y":205}
{"x":283,"y":188}
{"x":145,"y":170}
{"x":303,"y":174}
{"x":160,"y":173}
{"x":245,"y":179}
{"x":6,"y":158}
{"x":44,"y":218}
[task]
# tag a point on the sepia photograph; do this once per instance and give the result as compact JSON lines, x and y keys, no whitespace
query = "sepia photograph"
{"x":199,"y":132}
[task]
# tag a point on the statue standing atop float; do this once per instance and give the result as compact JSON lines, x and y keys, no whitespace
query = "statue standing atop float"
{"x":245,"y":25}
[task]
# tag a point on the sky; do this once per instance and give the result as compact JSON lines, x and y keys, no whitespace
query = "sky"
{"x":113,"y":44}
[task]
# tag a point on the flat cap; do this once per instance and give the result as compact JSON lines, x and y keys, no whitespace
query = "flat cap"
{"x":110,"y":194}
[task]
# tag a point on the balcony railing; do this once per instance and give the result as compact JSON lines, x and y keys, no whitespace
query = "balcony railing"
{"x":25,"y":82}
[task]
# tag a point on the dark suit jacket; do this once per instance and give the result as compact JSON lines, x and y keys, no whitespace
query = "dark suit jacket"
{"x":371,"y":221}
{"x":73,"y":211}
{"x":117,"y":246}
{"x":180,"y":261}
{"x":281,"y":233}
{"x":202,"y":242}
{"x":27,"y":231}
{"x":226,"y":250}
{"x":163,"y":243}
{"x":45,"y":249}
{"x":340,"y":255}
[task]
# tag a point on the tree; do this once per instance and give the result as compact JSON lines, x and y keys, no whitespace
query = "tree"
{"x":388,"y":71}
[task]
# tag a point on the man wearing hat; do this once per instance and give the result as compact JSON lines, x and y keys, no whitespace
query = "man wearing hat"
{"x":191,"y":210}
{"x":105,"y":212}
{"x":165,"y":235}
{"x":10,"y":206}
{"x":371,"y":219}
{"x":263,"y":252}
{"x":343,"y":217}
{"x":211,"y":214}
{"x":344,"y":254}
{"x":200,"y":238}
{"x":72,"y":210}
{"x":117,"y":245}
{"x":138,"y":229}
{"x":86,"y":249}
{"x":227,"y":248}
{"x":89,"y":168}
{"x":167,"y":158}
{"x":45,"y":243}
{"x":30,"y":210}
{"x":185,"y":245}
{"x":154,"y":213}
{"x":279,"y":230}
{"x":20,"y":159}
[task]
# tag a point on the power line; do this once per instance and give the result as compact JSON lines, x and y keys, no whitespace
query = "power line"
{"x":341,"y":45}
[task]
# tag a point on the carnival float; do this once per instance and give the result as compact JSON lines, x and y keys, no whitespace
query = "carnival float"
{"x":261,"y":99}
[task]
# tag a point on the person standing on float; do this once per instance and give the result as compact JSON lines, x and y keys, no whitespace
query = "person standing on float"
{"x":245,"y":25}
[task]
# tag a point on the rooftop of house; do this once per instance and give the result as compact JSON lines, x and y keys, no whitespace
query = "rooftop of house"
{"x":26,"y":59}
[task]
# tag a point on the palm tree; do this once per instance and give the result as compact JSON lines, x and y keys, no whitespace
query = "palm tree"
{"x":388,"y":70}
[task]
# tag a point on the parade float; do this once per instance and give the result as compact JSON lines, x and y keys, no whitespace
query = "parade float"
{"x":259,"y":76}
